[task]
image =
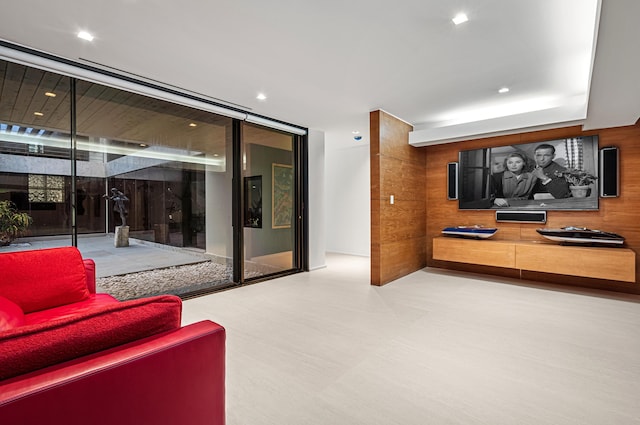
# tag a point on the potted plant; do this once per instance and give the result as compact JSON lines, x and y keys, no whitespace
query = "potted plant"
{"x":12,"y":222}
{"x":579,"y":181}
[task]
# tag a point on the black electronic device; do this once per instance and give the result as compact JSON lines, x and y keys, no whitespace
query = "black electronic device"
{"x":521,"y":216}
{"x":609,"y":172}
{"x":452,"y":181}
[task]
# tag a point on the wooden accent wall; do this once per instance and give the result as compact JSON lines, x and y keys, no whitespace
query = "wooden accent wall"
{"x":619,"y":215}
{"x":398,"y":231}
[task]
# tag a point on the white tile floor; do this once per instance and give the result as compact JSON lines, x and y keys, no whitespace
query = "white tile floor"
{"x":435,"y":347}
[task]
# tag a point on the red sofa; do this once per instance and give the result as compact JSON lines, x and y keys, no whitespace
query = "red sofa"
{"x":71,"y":356}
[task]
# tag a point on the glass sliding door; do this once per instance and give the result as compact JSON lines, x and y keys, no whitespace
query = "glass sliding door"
{"x":269,"y":201}
{"x":169,"y":166}
{"x":90,"y":163}
{"x":35,"y":150}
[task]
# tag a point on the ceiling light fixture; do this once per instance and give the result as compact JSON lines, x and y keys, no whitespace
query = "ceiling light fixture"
{"x":50,"y":94}
{"x":193,"y":124}
{"x":460,"y":18}
{"x":498,"y":110}
{"x":162,"y":154}
{"x":503,"y":90}
{"x":85,"y":36}
{"x":38,"y":114}
{"x":261,"y":96}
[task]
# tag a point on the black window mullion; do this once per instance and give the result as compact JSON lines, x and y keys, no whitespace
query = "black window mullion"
{"x":74,"y":171}
{"x":237,"y":207}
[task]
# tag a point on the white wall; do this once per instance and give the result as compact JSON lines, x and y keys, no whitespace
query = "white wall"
{"x":317,"y":204}
{"x":347,"y":195}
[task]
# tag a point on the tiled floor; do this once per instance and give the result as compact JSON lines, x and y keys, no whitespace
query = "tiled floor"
{"x":434,"y":347}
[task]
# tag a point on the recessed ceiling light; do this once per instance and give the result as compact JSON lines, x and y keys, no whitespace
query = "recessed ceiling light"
{"x":460,"y":18}
{"x":193,"y":124}
{"x":261,"y":96}
{"x":50,"y":94}
{"x":85,"y":36}
{"x":38,"y":114}
{"x":503,"y":90}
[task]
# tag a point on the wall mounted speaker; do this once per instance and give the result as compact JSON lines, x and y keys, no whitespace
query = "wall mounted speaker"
{"x":609,"y":172}
{"x":452,"y":180}
{"x":522,"y":216}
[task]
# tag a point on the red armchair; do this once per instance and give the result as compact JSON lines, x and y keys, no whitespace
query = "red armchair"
{"x":83,"y":357}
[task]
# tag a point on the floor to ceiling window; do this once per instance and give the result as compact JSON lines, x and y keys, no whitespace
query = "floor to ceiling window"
{"x":35,"y":135}
{"x":159,"y":155}
{"x":170,"y":163}
{"x":173,"y":166}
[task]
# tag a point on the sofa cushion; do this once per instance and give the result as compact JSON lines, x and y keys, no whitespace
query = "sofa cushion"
{"x":85,"y":306}
{"x":11,"y":315}
{"x":36,"y":346}
{"x":44,"y":278}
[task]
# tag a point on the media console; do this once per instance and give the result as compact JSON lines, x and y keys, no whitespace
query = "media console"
{"x":586,"y":261}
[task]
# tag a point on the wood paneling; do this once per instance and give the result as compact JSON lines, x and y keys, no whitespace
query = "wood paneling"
{"x":593,"y":262}
{"x":599,"y":263}
{"x":618,"y":215}
{"x":398,"y":230}
{"x":400,"y":258}
{"x":486,"y":253}
{"x":616,"y":264}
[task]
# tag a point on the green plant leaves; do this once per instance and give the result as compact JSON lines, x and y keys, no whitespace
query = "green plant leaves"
{"x":12,"y":222}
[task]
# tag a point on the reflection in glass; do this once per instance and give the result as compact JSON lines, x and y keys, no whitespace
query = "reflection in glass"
{"x":253,"y":201}
{"x":269,"y":154}
{"x":281,"y":196}
{"x":35,"y":142}
{"x":172,"y":162}
{"x":169,"y":160}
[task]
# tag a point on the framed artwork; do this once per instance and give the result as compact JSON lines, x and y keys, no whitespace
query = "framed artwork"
{"x":253,"y":201}
{"x":281,"y":196}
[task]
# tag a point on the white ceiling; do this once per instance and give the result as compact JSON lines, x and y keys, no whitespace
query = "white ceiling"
{"x":326,"y":64}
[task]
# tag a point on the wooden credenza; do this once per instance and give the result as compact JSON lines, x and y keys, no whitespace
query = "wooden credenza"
{"x":586,"y":261}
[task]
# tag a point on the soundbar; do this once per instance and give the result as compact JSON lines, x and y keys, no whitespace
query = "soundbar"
{"x":521,"y":216}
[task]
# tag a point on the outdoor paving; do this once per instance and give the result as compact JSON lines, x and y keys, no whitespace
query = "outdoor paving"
{"x":110,"y":261}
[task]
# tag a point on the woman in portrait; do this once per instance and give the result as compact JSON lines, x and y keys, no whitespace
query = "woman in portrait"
{"x":515,"y":182}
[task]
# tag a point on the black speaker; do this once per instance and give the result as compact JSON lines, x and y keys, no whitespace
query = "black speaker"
{"x":609,"y":172}
{"x":522,"y":216}
{"x":452,"y":180}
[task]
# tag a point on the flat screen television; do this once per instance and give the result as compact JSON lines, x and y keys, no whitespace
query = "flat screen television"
{"x":530,"y":176}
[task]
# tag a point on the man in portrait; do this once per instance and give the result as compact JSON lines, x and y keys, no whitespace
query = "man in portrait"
{"x":545,"y":172}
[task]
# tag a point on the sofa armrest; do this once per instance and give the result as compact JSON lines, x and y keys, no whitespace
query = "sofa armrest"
{"x":90,"y":270}
{"x":177,"y":377}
